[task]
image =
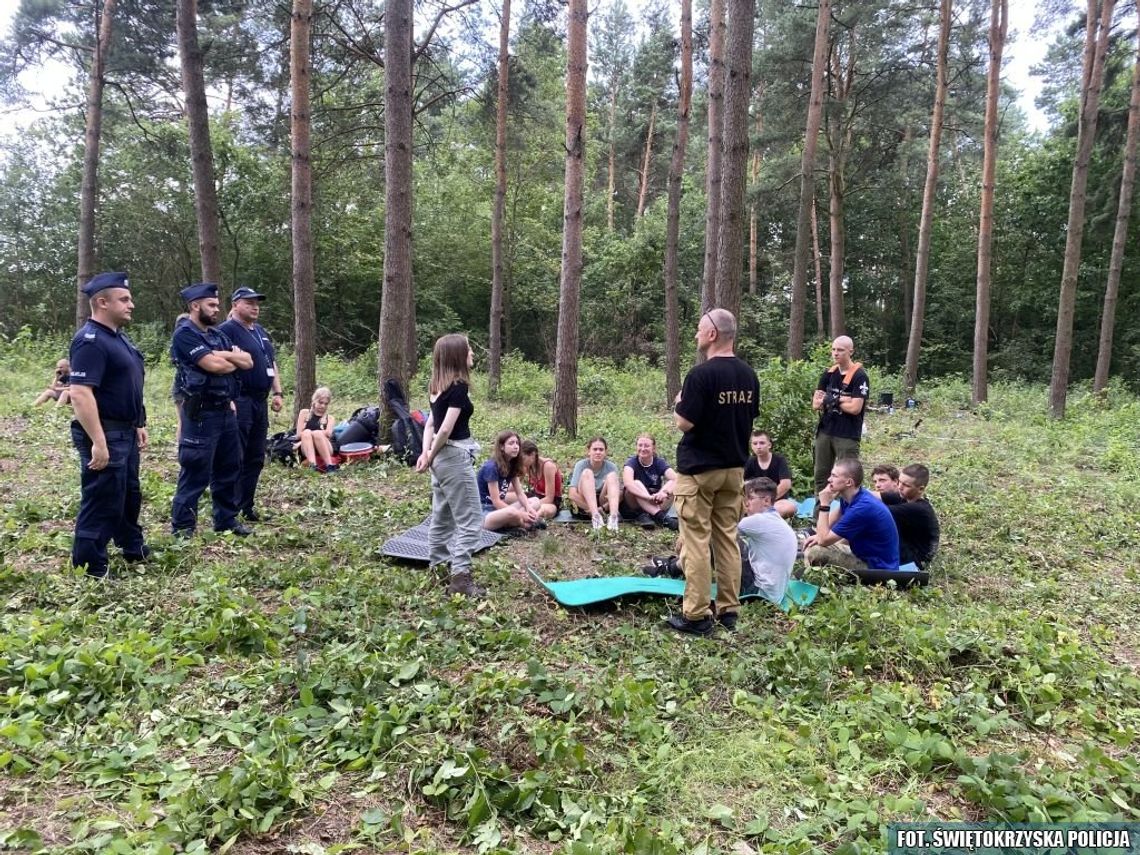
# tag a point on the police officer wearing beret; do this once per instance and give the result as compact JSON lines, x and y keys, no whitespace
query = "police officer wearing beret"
{"x":209,"y":451}
{"x":254,"y":387}
{"x":109,"y":429}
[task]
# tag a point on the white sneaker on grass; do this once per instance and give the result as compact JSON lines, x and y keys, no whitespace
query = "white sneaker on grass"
{"x":613,"y":523}
{"x":597,"y":521}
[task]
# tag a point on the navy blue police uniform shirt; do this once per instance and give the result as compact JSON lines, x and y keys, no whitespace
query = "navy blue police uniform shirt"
{"x":190,"y":344}
{"x":108,"y":362}
{"x":254,"y":382}
{"x":721,"y":397}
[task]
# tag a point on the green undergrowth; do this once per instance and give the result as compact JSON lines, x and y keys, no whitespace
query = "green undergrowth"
{"x":295,"y":692}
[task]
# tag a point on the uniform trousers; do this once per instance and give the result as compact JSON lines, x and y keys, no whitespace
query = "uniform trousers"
{"x":209,"y":453}
{"x":253,"y":428}
{"x":109,"y":502}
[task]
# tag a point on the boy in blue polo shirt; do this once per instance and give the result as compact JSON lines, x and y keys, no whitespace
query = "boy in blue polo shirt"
{"x":864,"y":536}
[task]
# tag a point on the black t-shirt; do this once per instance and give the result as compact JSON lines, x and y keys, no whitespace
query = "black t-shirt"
{"x":777,"y":470}
{"x":455,"y":395}
{"x":721,"y":397}
{"x":918,"y":528}
{"x":841,"y":424}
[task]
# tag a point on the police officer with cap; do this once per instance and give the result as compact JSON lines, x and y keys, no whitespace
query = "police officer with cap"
{"x":107,"y":373}
{"x":209,"y":450}
{"x":254,"y":386}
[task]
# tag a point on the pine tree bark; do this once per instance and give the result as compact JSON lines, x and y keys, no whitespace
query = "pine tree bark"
{"x":495,"y":357}
{"x":839,"y":135}
{"x":838,"y":237}
{"x":643,"y":191}
{"x":717,"y":27}
{"x":304,"y":289}
{"x":397,"y":295}
{"x":999,"y":20}
{"x":201,"y":154}
{"x":807,"y":185}
{"x":734,"y":162}
{"x":817,"y":258}
{"x":673,"y":207}
{"x":906,"y":272}
{"x":754,"y":218}
{"x":1096,"y":48}
{"x":929,"y":190}
{"x":1120,"y":235}
{"x":92,"y":137}
{"x":565,"y":405}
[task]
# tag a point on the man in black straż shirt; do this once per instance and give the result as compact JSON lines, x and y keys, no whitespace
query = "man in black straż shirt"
{"x":840,"y":398}
{"x":715,"y":410}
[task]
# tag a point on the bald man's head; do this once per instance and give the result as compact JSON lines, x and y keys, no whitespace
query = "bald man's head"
{"x":841,"y":351}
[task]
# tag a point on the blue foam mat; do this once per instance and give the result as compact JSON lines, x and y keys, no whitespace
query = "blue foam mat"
{"x":585,"y":592}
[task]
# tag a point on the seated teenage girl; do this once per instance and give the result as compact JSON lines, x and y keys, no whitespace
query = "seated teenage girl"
{"x":594,"y":485}
{"x":544,"y":478}
{"x":648,"y":482}
{"x":315,"y":430}
{"x":505,"y":503}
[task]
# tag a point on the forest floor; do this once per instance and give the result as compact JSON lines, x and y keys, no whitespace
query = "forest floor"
{"x":295,"y":692}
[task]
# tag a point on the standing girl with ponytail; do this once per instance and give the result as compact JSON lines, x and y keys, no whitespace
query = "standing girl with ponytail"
{"x":449,"y":452}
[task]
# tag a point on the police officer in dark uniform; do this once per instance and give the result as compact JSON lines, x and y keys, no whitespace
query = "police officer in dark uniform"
{"x":254,"y":387}
{"x":209,"y":450}
{"x":109,"y":429}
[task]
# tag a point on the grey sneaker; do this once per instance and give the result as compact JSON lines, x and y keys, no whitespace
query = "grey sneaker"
{"x":464,"y":585}
{"x":612,"y":525}
{"x":597,"y":522}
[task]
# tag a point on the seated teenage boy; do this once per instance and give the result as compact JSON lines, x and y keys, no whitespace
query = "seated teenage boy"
{"x":765,"y":463}
{"x":884,"y":479}
{"x":864,"y":536}
{"x":914,"y":516}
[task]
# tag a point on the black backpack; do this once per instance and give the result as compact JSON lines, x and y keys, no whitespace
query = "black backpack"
{"x":280,"y":448}
{"x":407,"y":432}
{"x":363,"y":426}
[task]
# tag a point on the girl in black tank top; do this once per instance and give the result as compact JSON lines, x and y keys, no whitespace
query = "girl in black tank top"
{"x":314,"y":430}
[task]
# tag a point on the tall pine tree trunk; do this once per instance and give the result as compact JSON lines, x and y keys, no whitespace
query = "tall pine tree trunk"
{"x":494,"y":368}
{"x":201,"y":155}
{"x":734,"y":164}
{"x":394,"y":358}
{"x":1120,"y":236}
{"x":643,"y":192}
{"x":1096,"y":48}
{"x":807,"y":185}
{"x":304,"y":291}
{"x":565,"y":411}
{"x":713,"y":169}
{"x":92,"y":136}
{"x":999,"y":20}
{"x":754,"y":217}
{"x":673,"y":209}
{"x":906,"y":272}
{"x":926,"y":220}
{"x":817,"y":260}
{"x":838,"y":235}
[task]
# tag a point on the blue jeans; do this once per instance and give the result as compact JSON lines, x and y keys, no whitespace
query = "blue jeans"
{"x":210,"y":455}
{"x":456,"y":515}
{"x":109,"y":502}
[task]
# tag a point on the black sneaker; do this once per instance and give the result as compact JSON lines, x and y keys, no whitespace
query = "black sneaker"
{"x":663,"y":519}
{"x":464,"y":585}
{"x":137,"y":557}
{"x":644,"y":520}
{"x":237,"y":529}
{"x":251,"y":515}
{"x":728,"y":620}
{"x":680,"y":623}
{"x":657,"y":567}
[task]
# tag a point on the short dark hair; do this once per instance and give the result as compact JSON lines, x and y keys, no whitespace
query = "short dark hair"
{"x":918,"y":473}
{"x":759,"y":432}
{"x":852,"y":467}
{"x":887,"y":469}
{"x":760,"y":487}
